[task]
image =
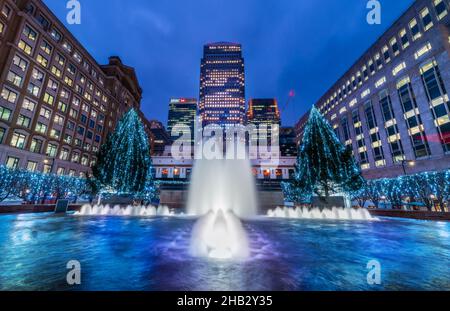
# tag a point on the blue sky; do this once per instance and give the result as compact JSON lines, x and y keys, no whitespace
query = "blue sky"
{"x":288,"y":44}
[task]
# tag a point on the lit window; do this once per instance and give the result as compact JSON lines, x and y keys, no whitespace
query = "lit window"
{"x":415,"y":31}
{"x":18,"y":140}
{"x":426,"y":19}
{"x":441,"y":9}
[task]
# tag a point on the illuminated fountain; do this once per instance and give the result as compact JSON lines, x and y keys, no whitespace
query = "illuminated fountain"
{"x":316,"y":213}
{"x":221,"y":192}
{"x":106,"y":210}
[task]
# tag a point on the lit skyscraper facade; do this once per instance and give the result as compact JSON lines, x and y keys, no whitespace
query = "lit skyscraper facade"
{"x":222,"y":85}
{"x":263,"y":112}
{"x":182,"y":111}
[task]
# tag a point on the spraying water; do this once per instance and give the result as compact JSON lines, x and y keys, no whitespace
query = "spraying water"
{"x":221,"y":192}
{"x":316,"y":213}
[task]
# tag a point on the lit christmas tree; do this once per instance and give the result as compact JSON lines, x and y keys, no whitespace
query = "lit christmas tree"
{"x":324,"y":165}
{"x":124,"y":160}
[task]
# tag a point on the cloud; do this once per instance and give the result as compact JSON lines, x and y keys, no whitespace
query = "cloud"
{"x":156,"y":21}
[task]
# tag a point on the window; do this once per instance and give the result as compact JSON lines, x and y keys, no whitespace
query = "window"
{"x":60,"y":171}
{"x":80,"y":130}
{"x":398,"y":69}
{"x":49,"y":99}
{"x":45,"y":113}
{"x":56,"y":134}
{"x":441,"y":8}
{"x":20,"y":62}
{"x":426,"y":19}
{"x":18,"y":140}
{"x":23,"y":121}
{"x":33,"y":89}
{"x":75,"y":157}
{"x":42,"y":60}
{"x":41,"y":128}
{"x":70,"y":125}
{"x":413,"y":119}
{"x":53,"y":85}
{"x":43,"y":21}
{"x":37,"y":75}
{"x":55,"y":35}
{"x":52,"y":150}
{"x":12,"y":163}
{"x":46,"y":47}
{"x":68,"y":81}
{"x":28,"y":104}
{"x":395,"y":47}
{"x":83,"y":119}
{"x":438,"y":99}
{"x":67,"y":139}
{"x":67,"y":46}
{"x":36,"y":145}
{"x":85,"y":160}
{"x":62,"y":106}
{"x":9,"y":95}
{"x":415,"y":31}
{"x":404,"y":38}
{"x":59,"y":119}
{"x":29,"y":33}
{"x":60,"y":59}
{"x":386,"y":55}
{"x":25,"y":47}
{"x":14,"y":78}
{"x":73,"y":113}
{"x":424,"y":50}
{"x":64,"y":154}
{"x":56,"y":71}
{"x":32,"y":166}
{"x":72,"y":69}
{"x":5,"y":113}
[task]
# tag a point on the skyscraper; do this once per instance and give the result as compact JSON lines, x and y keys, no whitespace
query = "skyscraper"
{"x":263,"y":112}
{"x":222,"y":85}
{"x":182,"y":111}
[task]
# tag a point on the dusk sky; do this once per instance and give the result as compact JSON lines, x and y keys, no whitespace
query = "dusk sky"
{"x":288,"y":44}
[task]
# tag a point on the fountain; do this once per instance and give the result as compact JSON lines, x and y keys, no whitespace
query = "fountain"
{"x":221,"y":192}
{"x":106,"y":210}
{"x":316,"y":213}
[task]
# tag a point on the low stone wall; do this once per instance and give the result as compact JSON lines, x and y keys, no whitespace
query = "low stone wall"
{"x":177,"y":198}
{"x":422,"y":215}
{"x":31,"y":208}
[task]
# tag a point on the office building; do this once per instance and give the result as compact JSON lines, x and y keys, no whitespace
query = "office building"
{"x":182,"y":112}
{"x":222,"y":85}
{"x":57,"y":103}
{"x":392,"y":106}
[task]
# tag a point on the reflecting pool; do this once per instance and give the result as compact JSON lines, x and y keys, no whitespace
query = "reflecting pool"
{"x":118,"y":253}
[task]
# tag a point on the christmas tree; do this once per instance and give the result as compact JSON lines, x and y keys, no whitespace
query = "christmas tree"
{"x":324,"y":165}
{"x":124,"y":159}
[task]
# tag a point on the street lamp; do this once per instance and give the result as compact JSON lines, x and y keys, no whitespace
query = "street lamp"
{"x":408,"y":163}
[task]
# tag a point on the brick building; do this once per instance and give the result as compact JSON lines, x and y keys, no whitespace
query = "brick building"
{"x":57,"y":103}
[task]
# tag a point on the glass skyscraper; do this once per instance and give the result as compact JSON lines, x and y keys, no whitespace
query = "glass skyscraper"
{"x":182,"y":111}
{"x":222,"y":85}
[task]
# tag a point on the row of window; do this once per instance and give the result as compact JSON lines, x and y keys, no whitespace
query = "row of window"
{"x":33,"y":166}
{"x":412,"y":32}
{"x":440,"y":107}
